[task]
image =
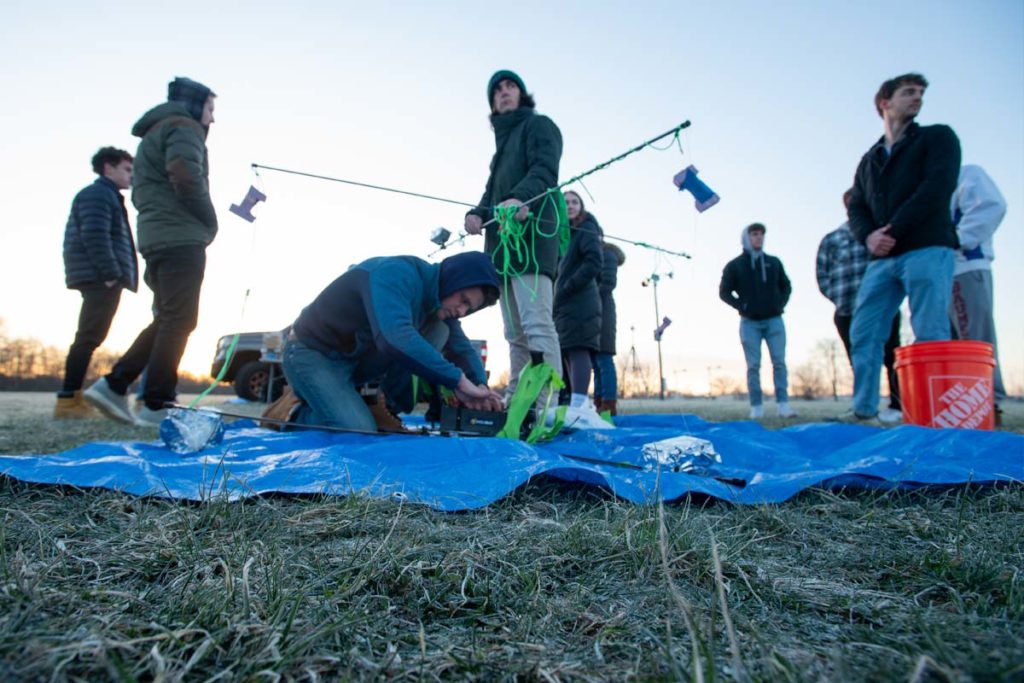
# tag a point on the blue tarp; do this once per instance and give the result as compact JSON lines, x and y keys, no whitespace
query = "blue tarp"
{"x":451,"y":473}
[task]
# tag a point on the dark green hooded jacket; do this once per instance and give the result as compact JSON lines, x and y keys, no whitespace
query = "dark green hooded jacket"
{"x":528,"y":149}
{"x":170,"y":185}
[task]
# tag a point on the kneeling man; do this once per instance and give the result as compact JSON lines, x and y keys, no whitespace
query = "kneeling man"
{"x":384,"y":320}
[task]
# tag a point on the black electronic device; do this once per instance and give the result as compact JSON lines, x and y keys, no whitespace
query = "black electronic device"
{"x":466,"y":421}
{"x":461,"y":420}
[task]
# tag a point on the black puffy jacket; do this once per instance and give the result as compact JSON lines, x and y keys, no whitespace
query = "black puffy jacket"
{"x":577,"y":306}
{"x":613,"y":258}
{"x":98,"y":244}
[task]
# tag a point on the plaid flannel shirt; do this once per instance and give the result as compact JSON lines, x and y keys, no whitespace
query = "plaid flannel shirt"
{"x":842,"y":261}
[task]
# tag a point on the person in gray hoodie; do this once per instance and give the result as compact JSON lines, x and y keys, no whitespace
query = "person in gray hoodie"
{"x":978,"y":208}
{"x":755,"y":284}
{"x":176,"y":223}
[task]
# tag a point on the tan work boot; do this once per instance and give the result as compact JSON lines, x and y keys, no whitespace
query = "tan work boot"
{"x":281,"y":409}
{"x":609,"y":405}
{"x":386,"y":421}
{"x":72,"y":408}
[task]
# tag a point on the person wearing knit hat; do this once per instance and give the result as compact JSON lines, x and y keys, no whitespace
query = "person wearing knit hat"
{"x":176,"y":223}
{"x":755,"y":284}
{"x":381,"y":322}
{"x":503,"y":75}
{"x":528,"y":149}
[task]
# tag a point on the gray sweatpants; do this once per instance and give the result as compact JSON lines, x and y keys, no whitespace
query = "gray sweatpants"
{"x":970,"y":311}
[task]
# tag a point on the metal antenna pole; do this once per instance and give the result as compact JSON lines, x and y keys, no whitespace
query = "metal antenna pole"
{"x":632,"y":361}
{"x":652,"y":281}
{"x":657,"y":321}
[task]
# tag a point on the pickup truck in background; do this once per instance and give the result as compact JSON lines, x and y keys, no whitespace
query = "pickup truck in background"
{"x":255,"y":366}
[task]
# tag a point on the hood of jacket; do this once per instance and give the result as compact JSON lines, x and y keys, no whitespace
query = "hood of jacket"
{"x":468,"y":269}
{"x":157,"y":114}
{"x":753,"y":254}
{"x":620,"y":256}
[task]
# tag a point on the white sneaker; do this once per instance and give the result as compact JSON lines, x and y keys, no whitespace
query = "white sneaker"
{"x":582,"y":417}
{"x":756,"y":412}
{"x":890,"y":416}
{"x":108,"y":402}
{"x":786,"y":411}
{"x":147,"y":417}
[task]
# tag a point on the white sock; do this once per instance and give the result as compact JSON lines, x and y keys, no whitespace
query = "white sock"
{"x":578,"y":400}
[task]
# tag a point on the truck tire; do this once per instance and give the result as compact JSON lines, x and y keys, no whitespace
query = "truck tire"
{"x":251,"y":381}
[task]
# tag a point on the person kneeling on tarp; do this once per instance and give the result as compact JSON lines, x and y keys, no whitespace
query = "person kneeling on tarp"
{"x":384,"y":320}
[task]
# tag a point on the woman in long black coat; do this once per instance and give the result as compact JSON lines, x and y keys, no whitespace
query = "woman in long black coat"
{"x":577,"y":305}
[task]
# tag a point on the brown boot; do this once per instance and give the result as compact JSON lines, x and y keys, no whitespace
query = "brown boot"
{"x":608,"y":405}
{"x":598,"y":403}
{"x":385,"y":419}
{"x":72,"y":408}
{"x":281,"y":409}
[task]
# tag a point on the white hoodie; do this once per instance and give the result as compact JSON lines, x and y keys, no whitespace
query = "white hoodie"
{"x":977,"y":207}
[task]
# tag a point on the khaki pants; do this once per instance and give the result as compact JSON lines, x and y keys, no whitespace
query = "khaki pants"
{"x":526,"y":308}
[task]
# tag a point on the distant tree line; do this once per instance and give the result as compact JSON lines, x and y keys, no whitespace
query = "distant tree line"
{"x":26,"y":364}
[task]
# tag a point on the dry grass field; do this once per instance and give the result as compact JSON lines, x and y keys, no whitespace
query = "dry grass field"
{"x":553,"y":583}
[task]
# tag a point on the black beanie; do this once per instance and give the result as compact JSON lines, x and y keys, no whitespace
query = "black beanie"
{"x":469,"y":269}
{"x":192,"y":94}
{"x":500,"y":76}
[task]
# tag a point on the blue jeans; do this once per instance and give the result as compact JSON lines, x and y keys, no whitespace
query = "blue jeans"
{"x":752,"y":333}
{"x":923,"y":275}
{"x":328,"y":383}
{"x":605,"y":381}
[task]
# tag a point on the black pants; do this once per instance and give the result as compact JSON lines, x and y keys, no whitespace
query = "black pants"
{"x":98,"y":309}
{"x":843,"y":327}
{"x":175,"y":275}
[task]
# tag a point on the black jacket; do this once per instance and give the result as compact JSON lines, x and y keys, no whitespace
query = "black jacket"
{"x":613,"y":258}
{"x":577,"y":306}
{"x":757,"y":288}
{"x":528,"y":149}
{"x":98,"y":244}
{"x":910,"y":188}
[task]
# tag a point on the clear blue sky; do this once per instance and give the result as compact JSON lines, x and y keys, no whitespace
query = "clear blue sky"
{"x":780,"y":96}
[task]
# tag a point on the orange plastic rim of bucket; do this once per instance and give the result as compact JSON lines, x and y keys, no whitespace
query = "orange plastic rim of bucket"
{"x":958,"y":350}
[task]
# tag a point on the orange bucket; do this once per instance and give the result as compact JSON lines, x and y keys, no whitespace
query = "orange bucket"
{"x":947,"y":384}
